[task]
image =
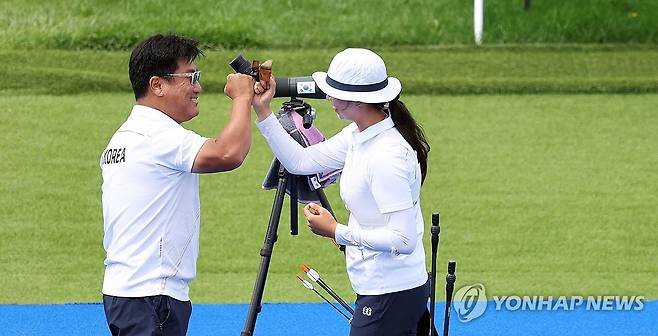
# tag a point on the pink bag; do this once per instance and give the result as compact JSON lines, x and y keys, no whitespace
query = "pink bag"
{"x":306,"y":185}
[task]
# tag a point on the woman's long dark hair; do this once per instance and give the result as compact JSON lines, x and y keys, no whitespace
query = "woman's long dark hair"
{"x":411,"y":131}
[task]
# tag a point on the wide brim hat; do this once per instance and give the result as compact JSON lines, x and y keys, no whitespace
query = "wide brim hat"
{"x":358,"y":75}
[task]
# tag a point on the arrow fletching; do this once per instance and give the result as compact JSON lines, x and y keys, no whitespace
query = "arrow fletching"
{"x":304,"y":282}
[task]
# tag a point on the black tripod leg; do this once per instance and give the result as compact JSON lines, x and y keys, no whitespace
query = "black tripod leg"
{"x":266,"y":254}
{"x":294,"y":221}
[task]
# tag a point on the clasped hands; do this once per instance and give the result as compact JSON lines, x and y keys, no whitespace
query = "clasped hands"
{"x":241,"y":87}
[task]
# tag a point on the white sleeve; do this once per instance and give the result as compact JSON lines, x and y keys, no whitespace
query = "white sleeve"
{"x":321,"y":157}
{"x":177,"y":149}
{"x":399,"y":236}
{"x":391,"y":175}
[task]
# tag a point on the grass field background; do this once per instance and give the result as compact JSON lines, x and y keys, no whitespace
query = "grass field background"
{"x":540,"y":195}
{"x":110,"y":25}
{"x":426,"y":70}
{"x":544,"y":140}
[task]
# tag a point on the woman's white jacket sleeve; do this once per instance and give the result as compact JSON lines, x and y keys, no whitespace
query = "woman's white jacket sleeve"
{"x":321,"y":157}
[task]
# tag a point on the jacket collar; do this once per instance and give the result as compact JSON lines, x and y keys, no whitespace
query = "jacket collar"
{"x":373,"y":130}
{"x":143,"y":111}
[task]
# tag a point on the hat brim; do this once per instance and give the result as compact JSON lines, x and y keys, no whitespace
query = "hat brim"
{"x":384,"y":95}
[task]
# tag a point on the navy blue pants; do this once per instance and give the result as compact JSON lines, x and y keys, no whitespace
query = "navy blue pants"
{"x":159,"y":315}
{"x":392,"y":314}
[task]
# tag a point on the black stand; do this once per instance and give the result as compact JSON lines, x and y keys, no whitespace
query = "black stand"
{"x":450,"y":286}
{"x":436,"y":230}
{"x":271,"y":237}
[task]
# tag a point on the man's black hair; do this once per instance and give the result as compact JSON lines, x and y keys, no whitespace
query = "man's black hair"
{"x":158,"y":55}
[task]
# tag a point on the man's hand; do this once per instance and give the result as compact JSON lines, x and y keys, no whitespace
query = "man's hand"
{"x":239,"y":86}
{"x":320,"y":220}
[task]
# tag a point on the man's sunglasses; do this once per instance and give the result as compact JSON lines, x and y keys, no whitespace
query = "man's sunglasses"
{"x":195,"y":76}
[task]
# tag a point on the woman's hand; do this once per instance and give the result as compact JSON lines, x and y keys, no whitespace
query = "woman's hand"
{"x":320,"y":220}
{"x":264,"y":92}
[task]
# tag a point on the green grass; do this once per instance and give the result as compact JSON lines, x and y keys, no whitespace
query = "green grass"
{"x":113,"y":25}
{"x":450,"y":70}
{"x":549,"y":194}
{"x":539,"y":195}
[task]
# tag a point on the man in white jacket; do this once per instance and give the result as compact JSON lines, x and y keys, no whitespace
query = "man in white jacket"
{"x":150,"y":170}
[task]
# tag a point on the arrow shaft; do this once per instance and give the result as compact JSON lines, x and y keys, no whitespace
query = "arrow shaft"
{"x":335,"y":296}
{"x":329,"y":302}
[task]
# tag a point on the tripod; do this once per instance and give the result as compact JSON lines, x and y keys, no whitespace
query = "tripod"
{"x":285,"y":180}
{"x":270,"y":238}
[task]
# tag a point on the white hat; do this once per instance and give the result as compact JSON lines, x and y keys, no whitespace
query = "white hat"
{"x":358,"y":75}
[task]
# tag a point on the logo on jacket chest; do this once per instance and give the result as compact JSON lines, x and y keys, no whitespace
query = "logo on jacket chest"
{"x":114,"y":155}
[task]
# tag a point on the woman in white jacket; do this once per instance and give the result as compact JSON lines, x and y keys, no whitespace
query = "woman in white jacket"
{"x":383,"y":154}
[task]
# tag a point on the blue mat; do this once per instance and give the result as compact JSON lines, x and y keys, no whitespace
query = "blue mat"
{"x":320,"y":319}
